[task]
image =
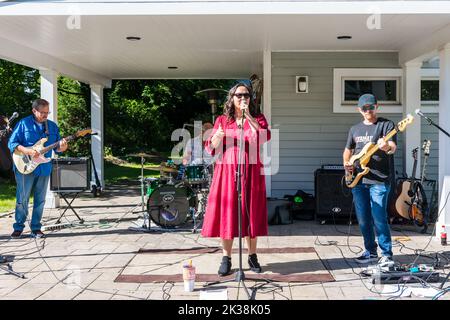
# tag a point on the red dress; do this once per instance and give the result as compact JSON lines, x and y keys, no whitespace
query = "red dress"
{"x":221,"y":218}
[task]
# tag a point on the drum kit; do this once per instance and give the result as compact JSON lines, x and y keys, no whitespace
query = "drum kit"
{"x":178,"y":196}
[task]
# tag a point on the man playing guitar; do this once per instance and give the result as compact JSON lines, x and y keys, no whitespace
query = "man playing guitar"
{"x":27,"y":132}
{"x":371,"y":193}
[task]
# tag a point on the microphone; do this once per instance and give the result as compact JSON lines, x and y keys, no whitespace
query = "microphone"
{"x":430,"y":122}
{"x":243,"y":107}
{"x":420,"y":113}
{"x":14,"y":116}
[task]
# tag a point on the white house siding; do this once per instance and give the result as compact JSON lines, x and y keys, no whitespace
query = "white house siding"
{"x":310,"y":133}
{"x":431,"y":133}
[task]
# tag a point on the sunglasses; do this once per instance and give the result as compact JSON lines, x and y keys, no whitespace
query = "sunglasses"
{"x":240,"y":95}
{"x":367,"y":108}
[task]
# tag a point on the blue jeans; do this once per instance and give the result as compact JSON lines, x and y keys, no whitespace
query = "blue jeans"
{"x":370,"y":204}
{"x":25,"y":183}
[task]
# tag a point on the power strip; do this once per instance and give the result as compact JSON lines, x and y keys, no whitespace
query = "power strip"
{"x":404,"y":277}
{"x":58,"y":226}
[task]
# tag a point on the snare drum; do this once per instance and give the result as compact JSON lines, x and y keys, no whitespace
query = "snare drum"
{"x":196,"y":174}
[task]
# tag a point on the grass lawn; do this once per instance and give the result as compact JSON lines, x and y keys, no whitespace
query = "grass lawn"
{"x":129,"y":171}
{"x":7,"y":196}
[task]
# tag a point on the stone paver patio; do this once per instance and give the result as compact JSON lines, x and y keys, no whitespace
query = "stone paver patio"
{"x":84,"y":260}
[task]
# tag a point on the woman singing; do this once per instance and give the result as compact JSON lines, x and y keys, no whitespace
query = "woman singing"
{"x":221,"y":217}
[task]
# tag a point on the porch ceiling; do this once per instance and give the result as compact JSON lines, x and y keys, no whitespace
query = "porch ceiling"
{"x":201,"y":46}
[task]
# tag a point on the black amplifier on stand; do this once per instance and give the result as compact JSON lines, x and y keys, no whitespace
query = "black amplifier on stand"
{"x":334,"y":201}
{"x":70,"y":174}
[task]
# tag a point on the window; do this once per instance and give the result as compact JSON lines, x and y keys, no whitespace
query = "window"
{"x":429,"y":91}
{"x":385,"y":90}
{"x":350,"y":84}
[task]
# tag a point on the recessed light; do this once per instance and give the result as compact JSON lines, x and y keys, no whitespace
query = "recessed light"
{"x":172,"y":67}
{"x":344,"y":37}
{"x":133,"y":38}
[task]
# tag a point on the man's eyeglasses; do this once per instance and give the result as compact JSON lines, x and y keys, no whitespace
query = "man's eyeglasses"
{"x":367,"y":108}
{"x":44,"y":113}
{"x":240,"y":95}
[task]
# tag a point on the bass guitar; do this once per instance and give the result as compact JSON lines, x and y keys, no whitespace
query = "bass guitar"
{"x":360,"y":161}
{"x":26,"y":164}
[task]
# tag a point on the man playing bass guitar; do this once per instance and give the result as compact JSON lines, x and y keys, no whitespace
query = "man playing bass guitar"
{"x":370,"y":195}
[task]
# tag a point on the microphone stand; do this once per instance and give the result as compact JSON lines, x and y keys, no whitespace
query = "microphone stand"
{"x":240,"y":275}
{"x":431,"y":122}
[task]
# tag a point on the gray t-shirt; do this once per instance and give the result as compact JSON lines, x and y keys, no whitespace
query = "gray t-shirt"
{"x":359,"y":135}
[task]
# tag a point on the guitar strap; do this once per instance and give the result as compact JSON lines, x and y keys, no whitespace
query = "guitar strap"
{"x":46,"y":128}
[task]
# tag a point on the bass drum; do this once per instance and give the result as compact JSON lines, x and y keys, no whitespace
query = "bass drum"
{"x":169,"y":205}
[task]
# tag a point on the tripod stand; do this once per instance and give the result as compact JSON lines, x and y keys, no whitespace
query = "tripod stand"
{"x":6,"y":260}
{"x":146,"y":223}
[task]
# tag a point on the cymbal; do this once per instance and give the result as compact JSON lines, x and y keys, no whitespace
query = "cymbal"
{"x":140,"y":155}
{"x":168,"y":169}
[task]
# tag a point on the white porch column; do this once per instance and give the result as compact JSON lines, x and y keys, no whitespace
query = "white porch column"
{"x":444,"y":141}
{"x":411,"y":102}
{"x":97,"y":127}
{"x":267,"y":110}
{"x":49,"y":92}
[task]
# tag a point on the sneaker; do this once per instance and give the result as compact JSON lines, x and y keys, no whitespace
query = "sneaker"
{"x":16,"y":234}
{"x":37,"y":234}
{"x":253,"y":263}
{"x":385,"y":261}
{"x":225,"y":266}
{"x":367,"y":257}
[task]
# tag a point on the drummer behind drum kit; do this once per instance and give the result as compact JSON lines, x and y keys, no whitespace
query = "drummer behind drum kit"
{"x":179,"y":195}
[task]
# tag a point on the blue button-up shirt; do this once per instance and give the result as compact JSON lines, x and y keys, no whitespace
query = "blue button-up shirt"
{"x":27,"y":132}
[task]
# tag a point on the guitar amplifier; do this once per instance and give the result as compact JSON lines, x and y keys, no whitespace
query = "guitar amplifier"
{"x":334,"y":201}
{"x":70,"y":174}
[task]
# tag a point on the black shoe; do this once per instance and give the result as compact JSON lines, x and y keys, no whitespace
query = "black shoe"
{"x":253,"y":263}
{"x":225,"y":266}
{"x":37,"y":234}
{"x":16,"y":234}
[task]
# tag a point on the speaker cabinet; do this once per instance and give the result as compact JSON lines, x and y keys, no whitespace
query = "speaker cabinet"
{"x":334,"y":201}
{"x":70,"y":174}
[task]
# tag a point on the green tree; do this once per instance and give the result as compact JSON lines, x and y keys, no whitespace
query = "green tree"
{"x":19,"y":86}
{"x":74,"y":113}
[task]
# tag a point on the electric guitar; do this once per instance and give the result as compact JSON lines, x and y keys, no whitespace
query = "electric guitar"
{"x":26,"y":164}
{"x":406,"y":192}
{"x":419,"y":203}
{"x":359,"y":161}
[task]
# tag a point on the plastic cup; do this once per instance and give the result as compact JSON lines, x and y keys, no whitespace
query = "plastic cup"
{"x":189,"y":278}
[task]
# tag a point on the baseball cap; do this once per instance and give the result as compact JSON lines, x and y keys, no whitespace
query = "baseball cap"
{"x":366,"y":99}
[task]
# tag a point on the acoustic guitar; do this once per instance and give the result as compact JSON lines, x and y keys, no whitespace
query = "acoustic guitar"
{"x":26,"y":164}
{"x":360,"y":161}
{"x":405,"y":192}
{"x":411,"y":202}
